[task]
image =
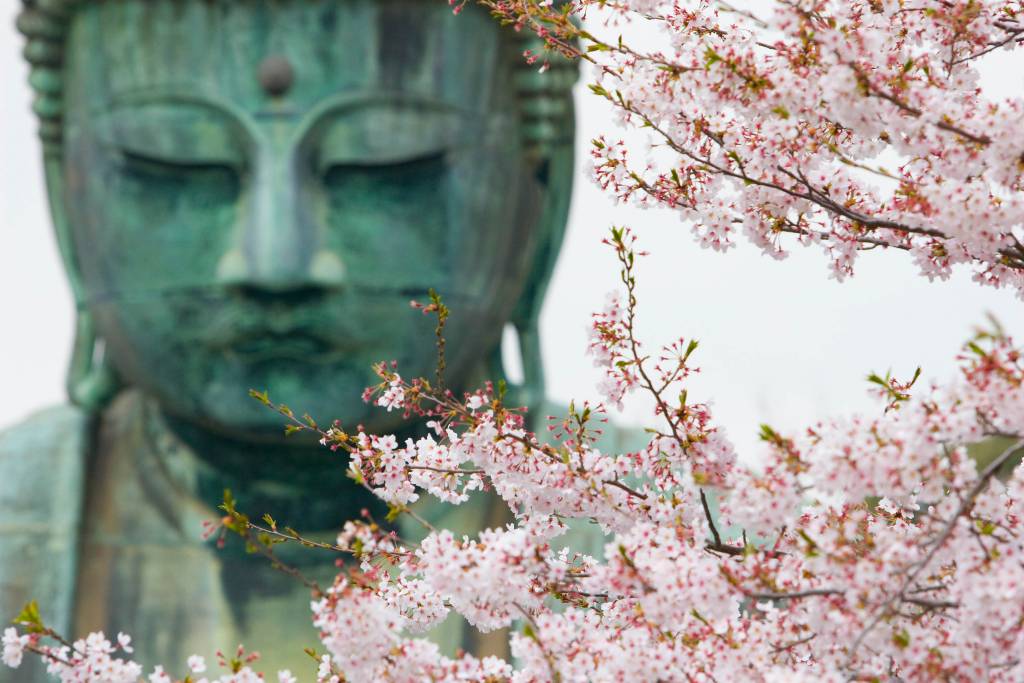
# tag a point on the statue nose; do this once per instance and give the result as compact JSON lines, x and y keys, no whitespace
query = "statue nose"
{"x":276,"y":248}
{"x":324,"y":272}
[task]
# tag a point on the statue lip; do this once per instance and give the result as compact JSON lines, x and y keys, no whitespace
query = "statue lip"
{"x":302,"y":345}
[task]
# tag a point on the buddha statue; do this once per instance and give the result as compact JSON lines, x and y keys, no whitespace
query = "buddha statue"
{"x":248,"y":195}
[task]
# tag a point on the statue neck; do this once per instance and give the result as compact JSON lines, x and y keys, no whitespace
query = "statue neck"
{"x":296,"y":480}
{"x":300,"y":483}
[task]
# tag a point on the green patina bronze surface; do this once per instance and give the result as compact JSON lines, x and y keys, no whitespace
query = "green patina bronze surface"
{"x":247,"y":194}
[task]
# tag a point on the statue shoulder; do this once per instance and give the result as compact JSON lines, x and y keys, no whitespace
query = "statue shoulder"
{"x":40,"y":458}
{"x":42,"y":486}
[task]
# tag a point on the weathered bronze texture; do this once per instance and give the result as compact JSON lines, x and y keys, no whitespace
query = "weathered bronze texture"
{"x":247,"y":195}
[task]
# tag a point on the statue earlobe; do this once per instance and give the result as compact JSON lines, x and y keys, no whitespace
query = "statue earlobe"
{"x":532,"y":390}
{"x":91,"y":382}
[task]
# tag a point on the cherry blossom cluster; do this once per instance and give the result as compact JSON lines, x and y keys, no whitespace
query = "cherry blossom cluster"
{"x":875,"y":547}
{"x":846,"y":124}
{"x":95,"y":659}
{"x":869,"y":548}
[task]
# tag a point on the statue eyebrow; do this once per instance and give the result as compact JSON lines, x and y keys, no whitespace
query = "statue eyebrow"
{"x":330,"y":106}
{"x":180,"y":95}
{"x":352,"y":103}
{"x":247,"y":122}
{"x":187,"y":95}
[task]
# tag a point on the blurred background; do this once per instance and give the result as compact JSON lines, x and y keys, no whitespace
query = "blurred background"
{"x":780,"y":342}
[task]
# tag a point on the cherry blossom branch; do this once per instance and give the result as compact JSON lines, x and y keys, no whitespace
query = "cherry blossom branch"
{"x":965,"y":506}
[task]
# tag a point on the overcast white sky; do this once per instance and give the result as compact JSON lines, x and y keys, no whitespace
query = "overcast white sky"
{"x":780,"y":343}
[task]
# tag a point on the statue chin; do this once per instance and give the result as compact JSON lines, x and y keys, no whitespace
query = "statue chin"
{"x":249,"y":421}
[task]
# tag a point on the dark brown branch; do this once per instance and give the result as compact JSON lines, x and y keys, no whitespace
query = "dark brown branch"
{"x":796,"y":595}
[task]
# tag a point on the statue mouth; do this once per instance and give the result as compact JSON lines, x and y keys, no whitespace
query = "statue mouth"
{"x":293,"y":346}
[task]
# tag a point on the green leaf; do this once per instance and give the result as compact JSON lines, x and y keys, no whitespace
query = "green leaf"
{"x":768,"y":434}
{"x":261,"y":396}
{"x":901,"y":639}
{"x":228,"y":504}
{"x":985,"y":527}
{"x":356,"y":476}
{"x":394,"y":511}
{"x":30,"y":619}
{"x":875,"y":379}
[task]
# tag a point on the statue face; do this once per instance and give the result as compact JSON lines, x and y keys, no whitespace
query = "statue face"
{"x":235,"y":230}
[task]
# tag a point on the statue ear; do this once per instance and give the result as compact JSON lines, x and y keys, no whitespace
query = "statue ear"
{"x":554,"y":176}
{"x":91,"y":382}
{"x":549,"y":130}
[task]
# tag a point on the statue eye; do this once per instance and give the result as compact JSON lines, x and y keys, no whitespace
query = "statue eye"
{"x":428,"y":161}
{"x":399,"y":136}
{"x":391,"y":181}
{"x":152,"y":163}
